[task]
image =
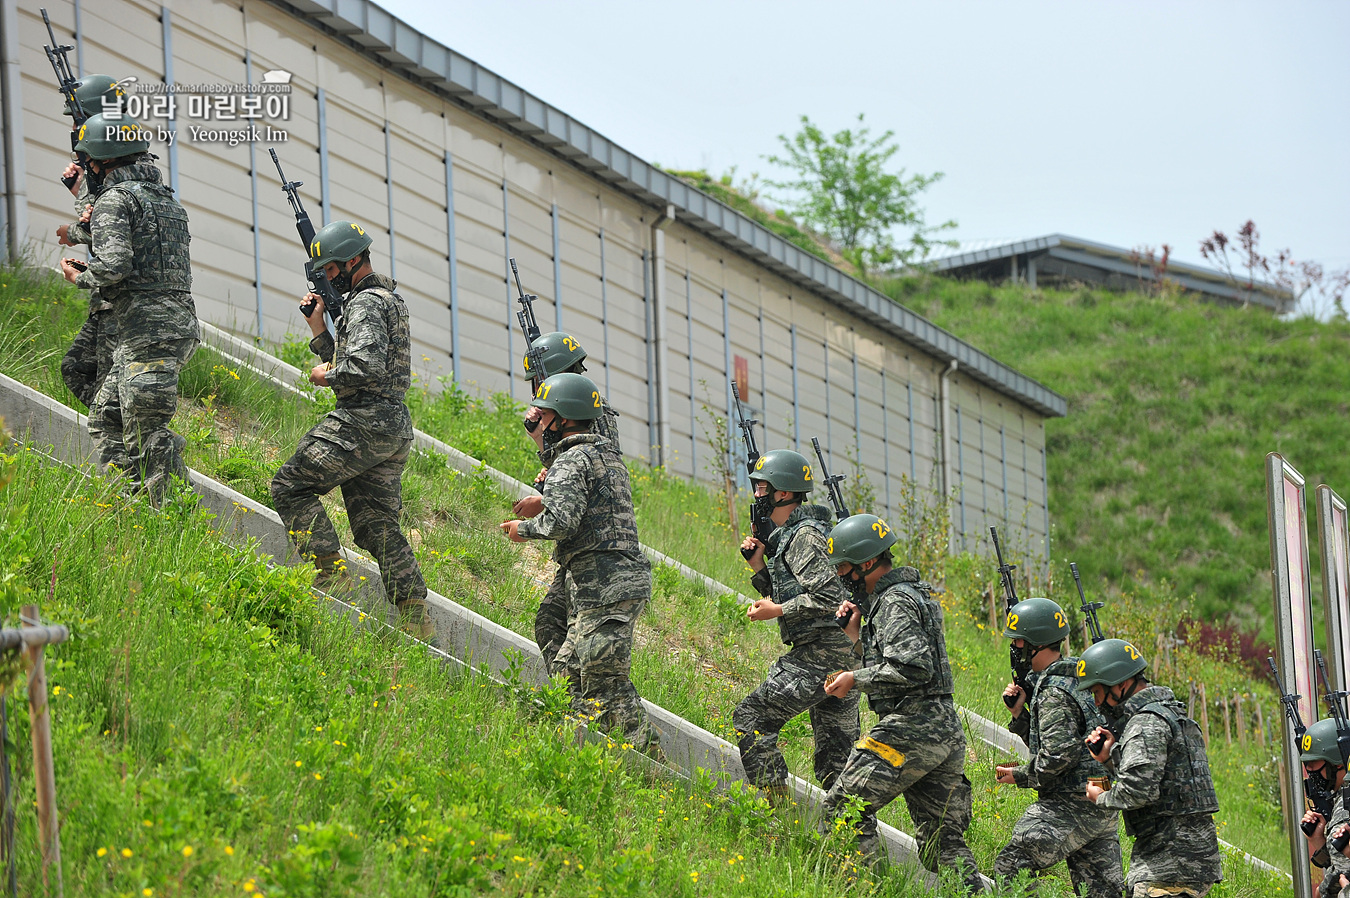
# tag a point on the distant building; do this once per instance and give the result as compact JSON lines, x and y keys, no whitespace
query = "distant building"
{"x":1059,"y":259}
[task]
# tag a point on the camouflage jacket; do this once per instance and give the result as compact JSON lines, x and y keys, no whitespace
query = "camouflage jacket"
{"x":1053,"y":725}
{"x":799,"y":576}
{"x":77,"y":232}
{"x":1176,"y":847}
{"x":904,"y":654}
{"x":1334,"y":862}
{"x":371,"y":358}
{"x":139,"y":256}
{"x":588,"y":501}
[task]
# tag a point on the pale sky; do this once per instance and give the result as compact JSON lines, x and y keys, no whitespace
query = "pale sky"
{"x":1128,"y":124}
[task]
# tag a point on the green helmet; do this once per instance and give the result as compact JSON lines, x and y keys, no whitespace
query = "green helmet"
{"x":94,"y":93}
{"x":573,"y":396}
{"x":859,"y":539}
{"x":1109,"y":663}
{"x":338,"y":241}
{"x":557,"y":353}
{"x":1038,"y":621}
{"x":110,"y":138}
{"x":784,"y":470}
{"x":1319,"y":744}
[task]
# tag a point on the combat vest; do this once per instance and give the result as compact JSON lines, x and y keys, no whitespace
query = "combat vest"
{"x":159,"y":235}
{"x":1187,"y":787}
{"x":392,"y":387}
{"x":902,"y":584}
{"x":803,"y":628}
{"x":1062,"y":676}
{"x":608,"y":523}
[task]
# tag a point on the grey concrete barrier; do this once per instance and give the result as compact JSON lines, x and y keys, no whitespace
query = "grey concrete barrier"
{"x":465,"y":636}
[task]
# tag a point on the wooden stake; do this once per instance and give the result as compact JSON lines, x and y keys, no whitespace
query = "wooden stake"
{"x":1227,"y":723}
{"x":993,"y":609}
{"x":49,"y":835}
{"x":1241,"y":720}
{"x":1190,"y":701}
{"x":1284,"y":794}
{"x":1261,"y":725}
{"x":1204,"y":714}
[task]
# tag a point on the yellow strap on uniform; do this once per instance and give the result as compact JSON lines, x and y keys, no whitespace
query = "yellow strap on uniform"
{"x":881,"y":750}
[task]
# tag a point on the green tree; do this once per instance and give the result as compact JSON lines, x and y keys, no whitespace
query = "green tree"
{"x":841,"y":187}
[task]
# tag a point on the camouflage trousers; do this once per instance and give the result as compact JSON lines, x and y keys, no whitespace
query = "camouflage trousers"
{"x":1168,"y":890}
{"x":550,"y":621}
{"x":1068,"y":828}
{"x":922,"y":758}
{"x":368,"y":467}
{"x":129,"y":420}
{"x":90,"y":357}
{"x":612,"y":588}
{"x":796,"y":683}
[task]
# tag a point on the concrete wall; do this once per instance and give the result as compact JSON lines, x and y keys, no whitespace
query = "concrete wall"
{"x":447,"y":195}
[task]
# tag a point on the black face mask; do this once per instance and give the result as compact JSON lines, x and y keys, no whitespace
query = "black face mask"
{"x":760,"y":511}
{"x":856,"y":582}
{"x":343,"y":282}
{"x":553,"y":433}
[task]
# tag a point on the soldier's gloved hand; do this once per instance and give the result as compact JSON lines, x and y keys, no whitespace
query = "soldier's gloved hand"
{"x":1104,"y":751}
{"x":73,"y":171}
{"x":1003,"y":773}
{"x":764,"y":609}
{"x":1017,"y":692}
{"x":510,"y":529}
{"x":756,"y":559}
{"x":528,"y":507}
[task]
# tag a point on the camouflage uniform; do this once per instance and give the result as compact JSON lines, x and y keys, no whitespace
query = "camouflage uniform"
{"x":550,"y":621}
{"x":1333,"y":862}
{"x":588,"y":510}
{"x":89,"y":359}
{"x":917,"y":749}
{"x":798,"y":575}
{"x":140,"y":265}
{"x":362,"y":445}
{"x":1062,"y":824}
{"x":1163,"y":786}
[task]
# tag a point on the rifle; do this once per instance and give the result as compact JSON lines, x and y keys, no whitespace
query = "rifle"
{"x":1018,"y":659}
{"x":831,"y":484}
{"x":318,"y":281}
{"x":59,"y":56}
{"x":747,"y":426}
{"x":1323,"y":799}
{"x":1089,"y":609}
{"x":534,"y":358}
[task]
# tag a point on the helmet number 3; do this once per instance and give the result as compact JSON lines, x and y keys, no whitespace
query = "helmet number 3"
{"x":829,"y":545}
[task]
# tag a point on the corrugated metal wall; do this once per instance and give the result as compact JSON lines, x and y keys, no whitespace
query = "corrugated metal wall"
{"x":448,"y":195}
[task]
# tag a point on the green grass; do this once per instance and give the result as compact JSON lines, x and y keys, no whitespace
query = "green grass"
{"x":696,"y":656}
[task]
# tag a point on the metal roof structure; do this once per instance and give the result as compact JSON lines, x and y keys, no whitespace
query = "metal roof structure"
{"x":398,"y":46}
{"x":1061,"y":257}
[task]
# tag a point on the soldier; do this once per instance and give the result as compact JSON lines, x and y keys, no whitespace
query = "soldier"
{"x":588,"y":510}
{"x":792,"y":571}
{"x":1162,"y":780}
{"x":1321,"y":756}
{"x":363,"y":444}
{"x":89,"y":358}
{"x":557,"y":353}
{"x":139,"y":264}
{"x":917,"y":748}
{"x":1052,"y":721}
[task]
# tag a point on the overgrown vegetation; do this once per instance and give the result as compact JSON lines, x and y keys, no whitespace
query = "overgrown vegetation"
{"x":696,"y":656}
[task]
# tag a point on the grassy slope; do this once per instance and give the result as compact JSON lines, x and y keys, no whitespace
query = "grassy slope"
{"x":1158,"y":470}
{"x":695,"y":656}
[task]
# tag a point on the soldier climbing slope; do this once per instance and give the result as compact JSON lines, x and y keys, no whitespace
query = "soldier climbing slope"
{"x":363,"y":444}
{"x":917,"y":748}
{"x":792,"y":571}
{"x":556,"y":353}
{"x":1321,"y":756}
{"x":139,"y":264}
{"x":1162,"y":780}
{"x":89,"y":358}
{"x":1053,"y":721}
{"x":588,"y":511}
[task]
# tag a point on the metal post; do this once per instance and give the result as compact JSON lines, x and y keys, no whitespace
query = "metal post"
{"x":960,"y":475}
{"x":1003,"y":457}
{"x":557,"y":274}
{"x":913,"y":463}
{"x":857,"y":416}
{"x":1045,"y":494}
{"x":15,"y":212}
{"x":829,"y":438}
{"x":693,"y":430}
{"x":253,"y":187}
{"x":796,"y":397}
{"x":885,"y":440}
{"x":763,"y":377}
{"x":652,"y":423}
{"x":44,"y":774}
{"x":324,"y":194}
{"x":167,"y":30}
{"x":389,"y":195}
{"x":79,"y":42}
{"x":604,"y":304}
{"x":510,"y":297}
{"x":451,"y":259}
{"x":732,"y":466}
{"x":984,"y":480}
